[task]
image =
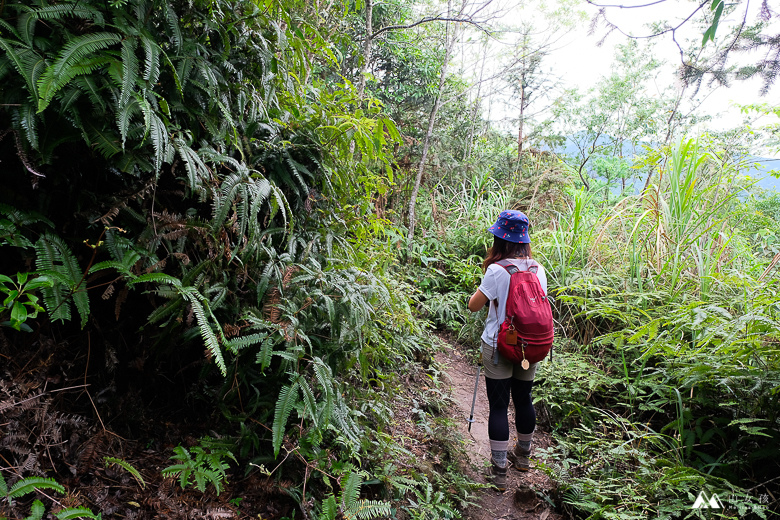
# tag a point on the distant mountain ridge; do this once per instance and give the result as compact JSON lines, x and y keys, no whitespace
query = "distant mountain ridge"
{"x":760,"y":167}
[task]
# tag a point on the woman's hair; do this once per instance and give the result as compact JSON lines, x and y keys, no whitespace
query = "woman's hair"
{"x":504,"y":249}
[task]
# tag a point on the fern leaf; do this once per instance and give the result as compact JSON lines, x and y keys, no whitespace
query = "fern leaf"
{"x":124,"y":115}
{"x":30,"y":484}
{"x":159,"y":136}
{"x":127,"y":467}
{"x":24,"y":61}
{"x":64,"y":67}
{"x":196,"y":168}
{"x":288,"y":398}
{"x":55,"y":259}
{"x":350,"y":491}
{"x":70,"y":10}
{"x":29,"y":123}
{"x":3,"y":486}
{"x":130,"y":70}
{"x":4,"y":25}
{"x":209,"y":338}
{"x":173,"y":23}
{"x":367,"y":509}
{"x":36,"y":510}
{"x":309,"y":403}
{"x":242,"y":342}
{"x":157,"y":278}
{"x":26,"y":27}
{"x":264,"y":356}
{"x":152,"y":61}
{"x":324,"y":376}
{"x":103,"y":140}
{"x":76,"y":512}
{"x":329,"y":508}
{"x":89,"y":86}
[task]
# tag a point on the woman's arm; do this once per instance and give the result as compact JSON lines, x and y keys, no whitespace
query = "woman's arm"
{"x":477,"y":301}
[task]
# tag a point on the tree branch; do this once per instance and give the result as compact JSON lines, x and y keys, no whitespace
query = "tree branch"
{"x":620,"y":6}
{"x":428,"y":19}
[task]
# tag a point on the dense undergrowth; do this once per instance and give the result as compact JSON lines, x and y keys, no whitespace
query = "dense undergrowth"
{"x":208,"y":290}
{"x":664,"y":378}
{"x":189,"y":263}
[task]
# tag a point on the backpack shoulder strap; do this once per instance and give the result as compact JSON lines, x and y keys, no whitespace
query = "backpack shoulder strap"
{"x":509,"y":266}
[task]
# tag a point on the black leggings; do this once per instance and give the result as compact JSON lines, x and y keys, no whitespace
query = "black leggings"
{"x":498,"y":392}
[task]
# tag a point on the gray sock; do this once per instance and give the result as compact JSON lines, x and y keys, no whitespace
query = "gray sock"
{"x":524,"y":440}
{"x":499,"y":457}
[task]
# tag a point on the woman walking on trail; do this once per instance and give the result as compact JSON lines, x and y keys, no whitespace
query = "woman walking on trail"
{"x":503,"y":378}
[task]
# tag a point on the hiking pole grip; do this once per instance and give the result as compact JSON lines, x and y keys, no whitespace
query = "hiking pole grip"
{"x":474,"y":399}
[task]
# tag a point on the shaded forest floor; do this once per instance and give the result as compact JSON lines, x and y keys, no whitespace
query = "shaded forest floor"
{"x":57,"y":420}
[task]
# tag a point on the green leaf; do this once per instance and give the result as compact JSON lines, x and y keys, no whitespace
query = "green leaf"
{"x":18,"y":313}
{"x":74,"y":59}
{"x":30,"y":484}
{"x":288,"y":398}
{"x":36,"y":511}
{"x":76,"y":512}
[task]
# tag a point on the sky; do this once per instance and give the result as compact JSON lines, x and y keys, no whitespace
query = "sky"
{"x":581,"y":61}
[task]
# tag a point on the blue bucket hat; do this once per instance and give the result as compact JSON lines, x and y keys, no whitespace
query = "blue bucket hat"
{"x":512,"y":226}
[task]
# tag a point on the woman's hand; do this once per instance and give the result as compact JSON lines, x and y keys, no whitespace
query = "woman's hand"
{"x":477,"y":301}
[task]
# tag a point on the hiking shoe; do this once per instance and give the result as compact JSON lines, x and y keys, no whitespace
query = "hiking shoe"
{"x":519,"y":458}
{"x":497,"y":476}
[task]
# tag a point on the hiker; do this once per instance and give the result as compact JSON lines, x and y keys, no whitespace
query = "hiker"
{"x":502,"y":377}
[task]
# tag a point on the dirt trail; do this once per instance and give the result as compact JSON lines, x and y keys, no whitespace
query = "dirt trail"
{"x":521,"y":500}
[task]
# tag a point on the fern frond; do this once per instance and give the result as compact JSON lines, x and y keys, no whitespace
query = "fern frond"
{"x":65,"y":66}
{"x":76,"y":512}
{"x":54,"y":256}
{"x":68,"y":10}
{"x":309,"y":403}
{"x":157,"y":278}
{"x":329,"y":508}
{"x":29,"y":123}
{"x":209,"y":338}
{"x":173,"y":23}
{"x":24,"y":61}
{"x":152,"y":52}
{"x":30,"y":484}
{"x":5,"y":26}
{"x":288,"y":398}
{"x":242,"y":342}
{"x":324,"y":377}
{"x":350,"y":491}
{"x":103,"y":140}
{"x":25,"y":26}
{"x":36,"y":510}
{"x":127,"y":467}
{"x":367,"y":509}
{"x":130,"y":70}
{"x":264,"y":356}
{"x":89,"y":86}
{"x":196,"y":168}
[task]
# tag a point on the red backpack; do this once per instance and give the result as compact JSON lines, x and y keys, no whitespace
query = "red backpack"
{"x":526,"y":335}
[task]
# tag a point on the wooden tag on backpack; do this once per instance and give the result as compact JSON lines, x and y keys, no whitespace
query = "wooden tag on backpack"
{"x":511,"y":337}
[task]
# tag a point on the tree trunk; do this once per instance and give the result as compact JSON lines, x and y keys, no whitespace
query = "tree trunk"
{"x":366,"y":48}
{"x":520,"y":131}
{"x":475,"y":112}
{"x":449,"y":45}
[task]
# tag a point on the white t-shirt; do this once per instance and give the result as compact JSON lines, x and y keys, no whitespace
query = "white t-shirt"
{"x":494,"y":285}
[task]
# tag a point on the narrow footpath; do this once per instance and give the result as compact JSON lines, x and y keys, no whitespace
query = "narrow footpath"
{"x":523,"y":498}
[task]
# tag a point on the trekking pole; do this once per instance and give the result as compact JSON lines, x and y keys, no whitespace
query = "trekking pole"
{"x":474,"y":399}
